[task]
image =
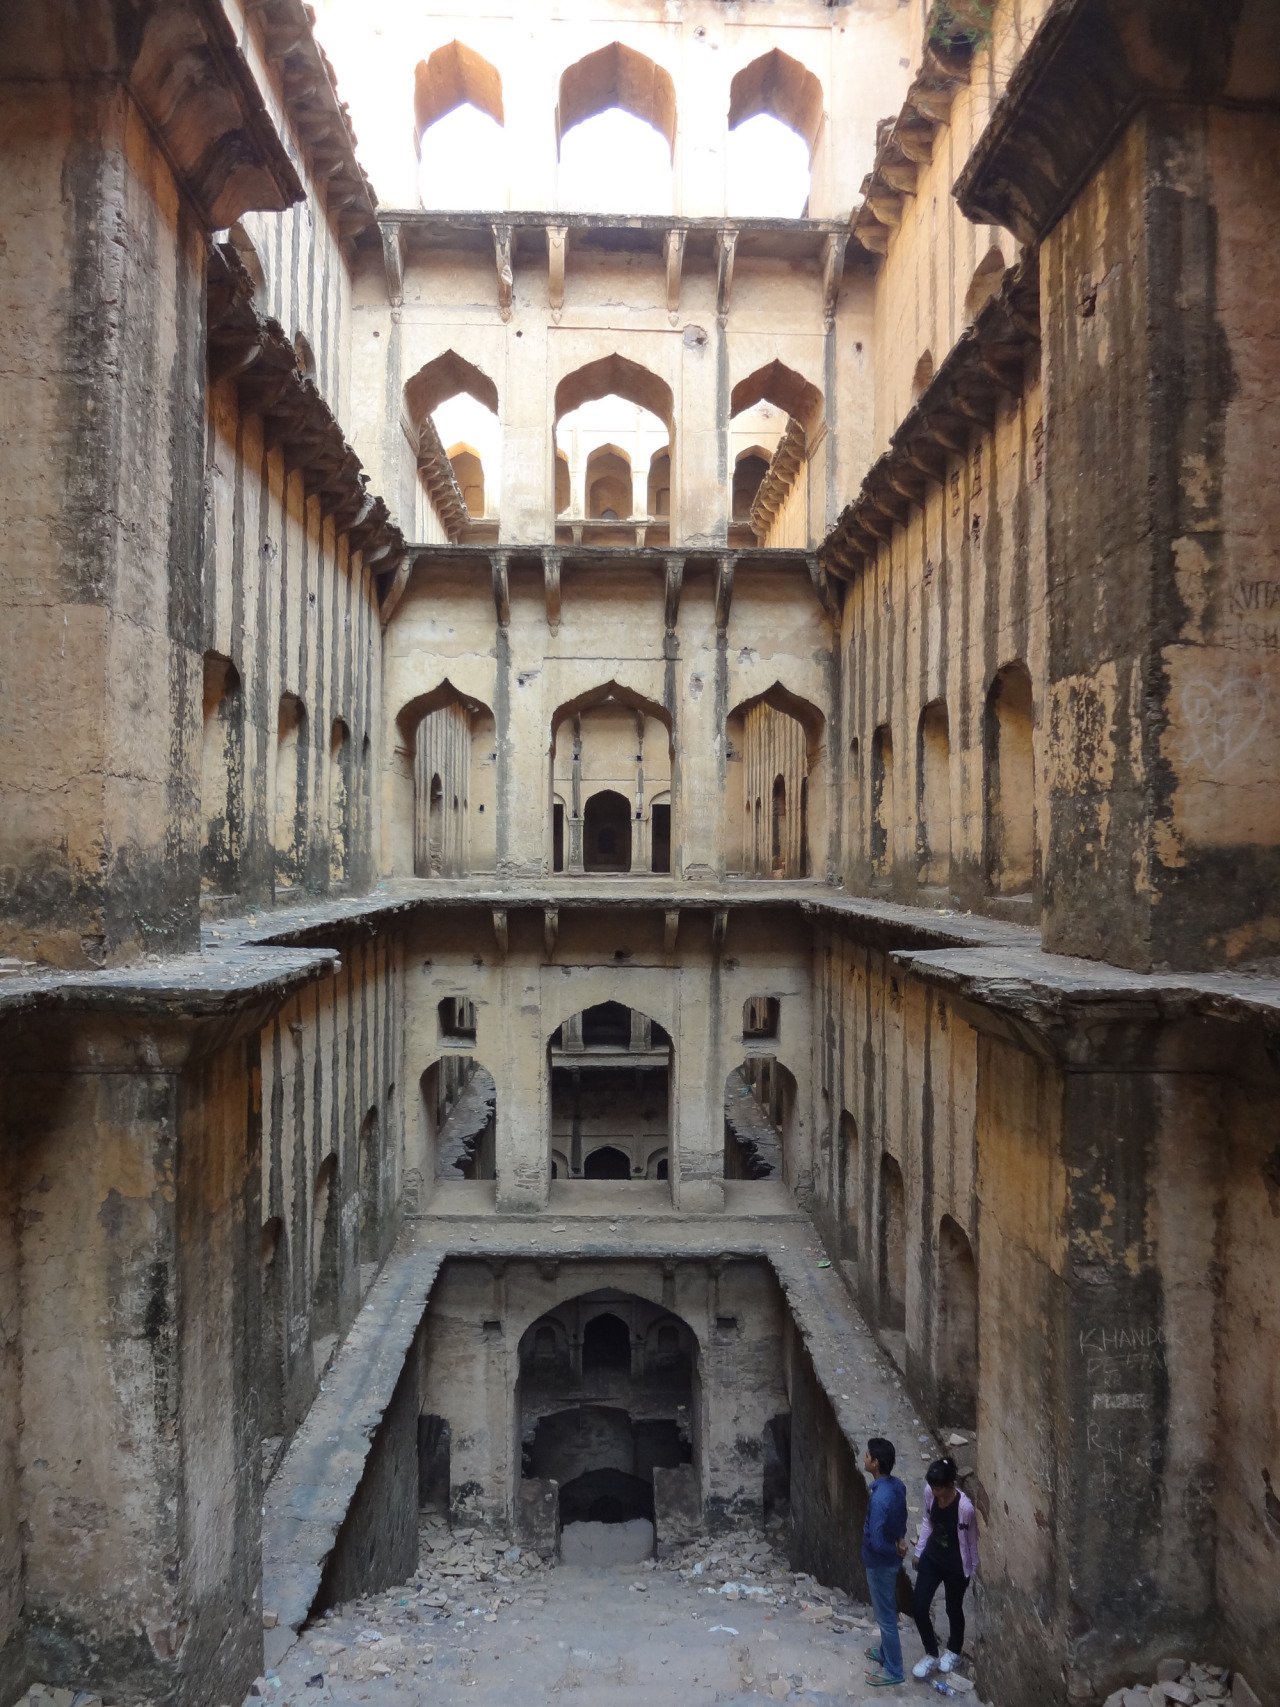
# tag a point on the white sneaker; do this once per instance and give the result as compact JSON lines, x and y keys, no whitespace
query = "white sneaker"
{"x":949,"y":1661}
{"x":923,"y":1667}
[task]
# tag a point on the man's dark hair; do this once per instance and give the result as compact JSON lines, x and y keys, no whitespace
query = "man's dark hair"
{"x":942,"y":1473}
{"x":884,"y":1453}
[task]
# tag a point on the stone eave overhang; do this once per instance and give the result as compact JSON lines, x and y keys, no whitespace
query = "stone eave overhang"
{"x":905,"y":144}
{"x":257,"y":354}
{"x":424,"y":230}
{"x":184,"y":67}
{"x":318,"y":119}
{"x":991,"y":360}
{"x":670,"y":565}
{"x":1090,"y":66}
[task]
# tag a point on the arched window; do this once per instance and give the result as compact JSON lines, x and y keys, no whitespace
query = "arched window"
{"x":893,"y":1246}
{"x":957,"y":1355}
{"x":1009,"y":838}
{"x":775,"y":118}
{"x":461,"y":143}
{"x":606,"y":1343}
{"x":339,"y":802}
{"x":442,"y":821}
{"x":221,"y":777}
{"x":749,"y":469}
{"x":606,"y":833}
{"x":468,"y":471}
{"x":370,"y":1158}
{"x":615,"y":133}
{"x":450,"y":401}
{"x":882,"y":801}
{"x":290,"y":837}
{"x":778,"y":823}
{"x":607,"y":1162}
{"x":325,"y":1218}
{"x":608,"y":483}
{"x":922,"y":376}
{"x":660,"y":483}
{"x":849,"y":1175}
{"x":933,"y":789}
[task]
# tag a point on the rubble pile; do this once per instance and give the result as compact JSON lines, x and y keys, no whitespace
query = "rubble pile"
{"x":747,"y":1567}
{"x":1182,"y":1683}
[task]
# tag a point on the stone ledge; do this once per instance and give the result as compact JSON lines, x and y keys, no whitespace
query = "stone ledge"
{"x":213,"y":982}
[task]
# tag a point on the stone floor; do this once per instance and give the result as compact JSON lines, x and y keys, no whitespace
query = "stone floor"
{"x":643,"y":1635}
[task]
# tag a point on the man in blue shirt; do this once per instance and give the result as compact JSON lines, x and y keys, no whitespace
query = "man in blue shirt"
{"x":884,"y":1542}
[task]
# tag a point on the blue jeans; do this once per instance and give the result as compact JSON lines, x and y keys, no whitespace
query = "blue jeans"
{"x":882,"y":1581}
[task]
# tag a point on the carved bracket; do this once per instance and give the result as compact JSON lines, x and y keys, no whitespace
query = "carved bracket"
{"x":501,"y":587}
{"x":726,"y":247}
{"x":551,"y":588}
{"x":674,"y":586}
{"x":500,"y":931}
{"x":550,"y":930}
{"x":504,"y":249}
{"x":724,"y":592}
{"x":557,"y":244}
{"x":673,"y":252}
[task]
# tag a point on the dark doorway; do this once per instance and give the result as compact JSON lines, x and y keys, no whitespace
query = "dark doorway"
{"x":606,"y":833}
{"x":606,"y":1163}
{"x":606,"y":1343}
{"x":606,"y":1496}
{"x":557,"y":837}
{"x":661,"y":860}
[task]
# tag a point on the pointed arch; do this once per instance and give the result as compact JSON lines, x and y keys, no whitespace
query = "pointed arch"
{"x":779,"y":85}
{"x":610,"y":693}
{"x":806,"y":714}
{"x":617,"y":376}
{"x":444,"y":377}
{"x":782,"y":386}
{"x":617,"y":76}
{"x":410,"y":715}
{"x":454,"y":76}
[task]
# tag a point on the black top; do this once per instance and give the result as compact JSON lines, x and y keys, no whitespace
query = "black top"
{"x":943,"y":1545}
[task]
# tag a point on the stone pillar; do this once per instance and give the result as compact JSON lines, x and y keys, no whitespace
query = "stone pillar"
{"x":134,"y":1164}
{"x":1160,"y":331}
{"x":114,"y":183}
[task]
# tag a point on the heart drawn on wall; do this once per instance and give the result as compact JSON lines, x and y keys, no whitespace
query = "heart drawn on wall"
{"x":1222,"y":719}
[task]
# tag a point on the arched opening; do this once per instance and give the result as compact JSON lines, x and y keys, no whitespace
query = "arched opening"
{"x":290,"y":833}
{"x":305,"y":356}
{"x":882,"y":801}
{"x":459,"y":118}
{"x":849,"y":1176}
{"x":775,"y":118}
{"x":985,"y":282}
{"x":339,"y":802}
{"x":933,"y":794}
{"x":760,"y":1017}
{"x":660,"y":835}
{"x":606,"y":1401}
{"x":221,"y":777}
{"x":606,"y":833}
{"x":608,"y":483}
{"x":778,"y":827}
{"x":370,"y":1161}
{"x":325,"y":1221}
{"x":922,"y":376}
{"x":760,"y":1116}
{"x":957,"y":1360}
{"x":247,"y":252}
{"x":786,"y":389}
{"x":460,"y":1106}
{"x":610,"y":1094}
{"x":271,"y":1345}
{"x":777,"y":85}
{"x":611,"y":742}
{"x":893,"y":1246}
{"x":774,"y":741}
{"x":443,"y":818}
{"x":434,"y":863}
{"x":615,"y":133}
{"x":564,"y":488}
{"x":449,"y":401}
{"x":749,"y":469}
{"x":613,"y":426}
{"x":468,"y":471}
{"x":606,"y":1343}
{"x":659,"y":494}
{"x":1009,"y":838}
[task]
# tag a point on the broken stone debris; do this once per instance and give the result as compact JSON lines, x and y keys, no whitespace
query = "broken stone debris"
{"x":1184,"y":1683}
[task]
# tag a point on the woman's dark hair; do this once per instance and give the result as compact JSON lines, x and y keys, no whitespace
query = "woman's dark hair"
{"x":941,"y":1473}
{"x":884,"y":1453}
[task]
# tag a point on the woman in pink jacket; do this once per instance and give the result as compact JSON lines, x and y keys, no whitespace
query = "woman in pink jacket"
{"x":946,"y":1553}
